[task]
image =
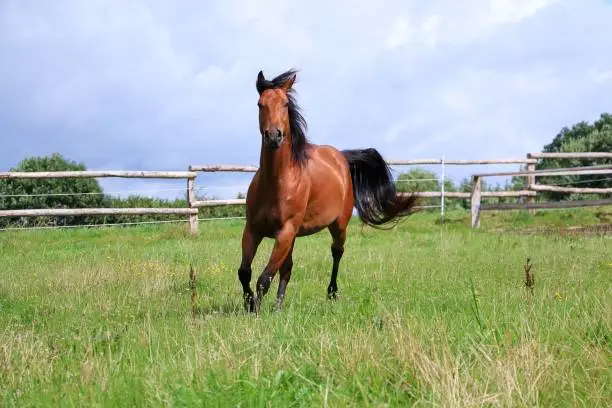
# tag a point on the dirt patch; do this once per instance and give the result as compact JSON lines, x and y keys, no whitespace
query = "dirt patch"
{"x":604,"y":216}
{"x":596,"y":229}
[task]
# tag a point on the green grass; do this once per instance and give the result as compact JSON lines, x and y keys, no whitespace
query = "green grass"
{"x":429,"y":315}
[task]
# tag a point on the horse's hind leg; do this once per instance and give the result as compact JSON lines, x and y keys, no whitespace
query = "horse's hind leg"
{"x":338,"y":232}
{"x":250,"y":243}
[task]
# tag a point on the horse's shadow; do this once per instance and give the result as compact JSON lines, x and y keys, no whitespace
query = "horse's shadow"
{"x":214,"y":309}
{"x":230,"y":309}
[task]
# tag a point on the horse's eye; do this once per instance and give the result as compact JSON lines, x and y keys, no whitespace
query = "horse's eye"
{"x":259,"y":105}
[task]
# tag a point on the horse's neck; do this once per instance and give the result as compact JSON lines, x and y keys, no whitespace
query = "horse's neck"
{"x":277,"y":167}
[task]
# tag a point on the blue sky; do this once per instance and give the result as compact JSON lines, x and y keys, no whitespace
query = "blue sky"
{"x":159,"y":85}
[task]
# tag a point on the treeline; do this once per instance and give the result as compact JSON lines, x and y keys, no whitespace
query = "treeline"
{"x":17,"y":194}
{"x":581,"y":137}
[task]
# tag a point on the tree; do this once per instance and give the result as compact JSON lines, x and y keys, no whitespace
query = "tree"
{"x":581,"y":137}
{"x":418,"y":179}
{"x":579,"y":131}
{"x":49,"y":193}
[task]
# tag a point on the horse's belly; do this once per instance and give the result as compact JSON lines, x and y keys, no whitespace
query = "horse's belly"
{"x":313,"y":223}
{"x":304,"y":230}
{"x":317,"y":217}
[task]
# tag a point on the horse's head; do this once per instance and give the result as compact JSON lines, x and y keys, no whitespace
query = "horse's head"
{"x":274,"y":105}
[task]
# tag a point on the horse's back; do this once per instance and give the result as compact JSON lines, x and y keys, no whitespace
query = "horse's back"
{"x":328,"y":166}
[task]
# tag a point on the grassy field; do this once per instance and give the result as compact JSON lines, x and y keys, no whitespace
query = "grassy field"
{"x":429,"y":315}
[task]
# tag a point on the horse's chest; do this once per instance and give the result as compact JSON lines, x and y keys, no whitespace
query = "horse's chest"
{"x":268,"y":220}
{"x":271,"y":213}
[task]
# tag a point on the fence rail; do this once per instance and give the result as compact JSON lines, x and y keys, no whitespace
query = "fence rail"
{"x":552,"y":204}
{"x":528,"y":171}
{"x":462,"y":195}
{"x":210,"y":168}
{"x":459,"y":162}
{"x":98,"y":174}
{"x":571,"y":190}
{"x":96,"y":211}
{"x":569,"y":171}
{"x":571,"y":155}
{"x":218,"y":203}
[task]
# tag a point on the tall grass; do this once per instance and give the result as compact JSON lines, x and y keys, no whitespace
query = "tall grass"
{"x":429,"y":315}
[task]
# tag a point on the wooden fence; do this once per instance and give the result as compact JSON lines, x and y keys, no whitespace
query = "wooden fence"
{"x":477,"y":207}
{"x":475,"y":196}
{"x":190,"y":176}
{"x":429,"y":194}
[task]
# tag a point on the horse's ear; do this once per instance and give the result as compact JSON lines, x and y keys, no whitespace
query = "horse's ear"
{"x":289,"y":83}
{"x":260,"y":81}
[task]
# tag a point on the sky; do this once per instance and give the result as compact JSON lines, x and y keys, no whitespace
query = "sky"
{"x":160,"y":85}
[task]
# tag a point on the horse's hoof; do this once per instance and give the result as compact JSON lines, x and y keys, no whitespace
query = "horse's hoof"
{"x":332,"y":296}
{"x":249,"y":305}
{"x":256,"y":307}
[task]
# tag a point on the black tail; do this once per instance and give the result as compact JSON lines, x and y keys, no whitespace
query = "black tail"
{"x":376,"y":199}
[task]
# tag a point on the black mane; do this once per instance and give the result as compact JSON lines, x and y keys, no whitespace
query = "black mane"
{"x":297,"y":123}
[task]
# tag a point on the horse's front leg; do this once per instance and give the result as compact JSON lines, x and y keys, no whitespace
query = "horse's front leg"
{"x":285,"y":276}
{"x":282,"y":246}
{"x":250,"y":243}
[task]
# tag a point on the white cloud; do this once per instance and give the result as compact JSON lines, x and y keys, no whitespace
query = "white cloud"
{"x":601,"y":75}
{"x":514,"y":11}
{"x":431,"y":27}
{"x":401,"y":33}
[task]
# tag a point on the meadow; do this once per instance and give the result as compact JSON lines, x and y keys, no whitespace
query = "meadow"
{"x":429,"y":314}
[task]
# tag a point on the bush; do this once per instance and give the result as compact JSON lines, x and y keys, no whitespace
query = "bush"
{"x":18,"y":194}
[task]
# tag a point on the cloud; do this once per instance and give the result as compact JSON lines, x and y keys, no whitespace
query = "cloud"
{"x":514,"y":11}
{"x":601,"y":75}
{"x":161,"y":85}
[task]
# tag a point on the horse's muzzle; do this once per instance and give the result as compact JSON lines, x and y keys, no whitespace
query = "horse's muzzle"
{"x":273,"y":138}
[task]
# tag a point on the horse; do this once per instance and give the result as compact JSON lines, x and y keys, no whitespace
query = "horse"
{"x":301,"y":188}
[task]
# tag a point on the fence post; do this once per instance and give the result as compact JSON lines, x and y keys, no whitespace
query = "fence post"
{"x":475,"y":201}
{"x":191,"y":198}
{"x":531,"y":179}
{"x":442,"y":192}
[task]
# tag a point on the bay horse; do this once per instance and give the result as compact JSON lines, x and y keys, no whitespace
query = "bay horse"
{"x":301,"y":188}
